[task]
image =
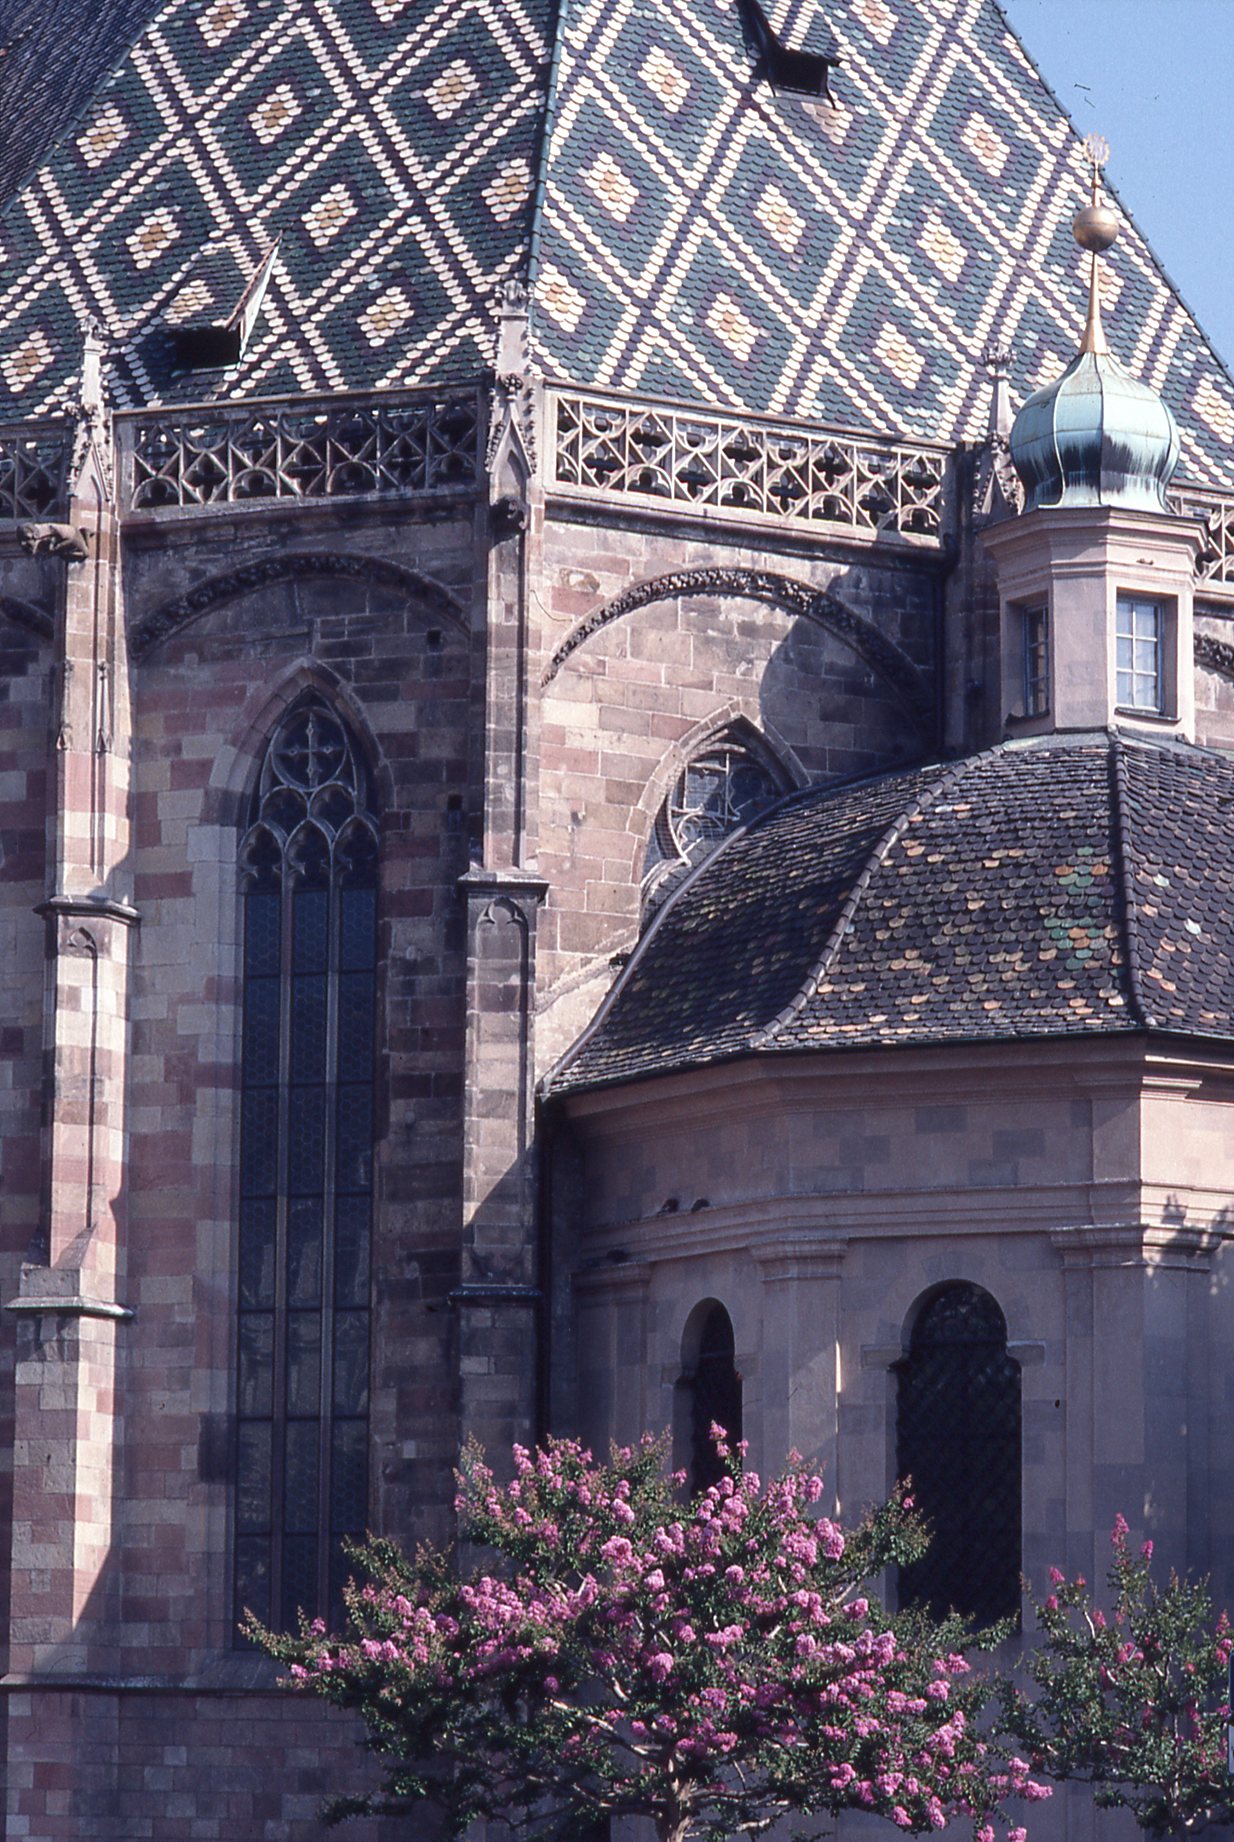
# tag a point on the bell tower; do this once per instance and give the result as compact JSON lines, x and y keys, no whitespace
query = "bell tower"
{"x":1096,"y":575}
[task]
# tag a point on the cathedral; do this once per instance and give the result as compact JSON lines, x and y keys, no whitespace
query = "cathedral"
{"x":617,"y":811}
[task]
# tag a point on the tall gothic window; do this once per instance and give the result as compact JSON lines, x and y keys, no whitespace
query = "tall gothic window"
{"x":308,"y":866}
{"x":715,"y":1397}
{"x":959,"y":1442}
{"x":726,"y":785}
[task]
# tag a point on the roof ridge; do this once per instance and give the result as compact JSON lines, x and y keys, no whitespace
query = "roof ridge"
{"x":1127,"y":918}
{"x":548,"y":121}
{"x":890,"y":837}
{"x":116,"y":42}
{"x":795,"y":796}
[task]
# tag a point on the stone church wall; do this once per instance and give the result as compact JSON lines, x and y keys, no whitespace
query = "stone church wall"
{"x":173,"y":1732}
{"x":395,"y":659}
{"x":25,"y":672}
{"x":657,"y":637}
{"x":820,"y":1201}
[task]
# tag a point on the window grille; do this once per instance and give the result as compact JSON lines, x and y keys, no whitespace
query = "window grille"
{"x":725,"y":786}
{"x":715,"y":1397}
{"x":308,"y":866}
{"x":959,"y":1442}
{"x":1138,"y":637}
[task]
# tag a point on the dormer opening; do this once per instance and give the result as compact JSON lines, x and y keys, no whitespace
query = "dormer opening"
{"x":217,"y":304}
{"x":800,"y":73}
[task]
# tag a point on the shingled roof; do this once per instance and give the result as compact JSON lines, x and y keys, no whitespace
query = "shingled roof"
{"x":388,"y":146}
{"x":688,"y":232}
{"x":1049,"y":888}
{"x":53,"y":56}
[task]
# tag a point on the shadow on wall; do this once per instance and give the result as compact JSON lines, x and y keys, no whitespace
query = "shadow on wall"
{"x":842,"y":714}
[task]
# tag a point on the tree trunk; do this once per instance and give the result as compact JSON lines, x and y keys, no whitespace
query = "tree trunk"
{"x":673,"y":1828}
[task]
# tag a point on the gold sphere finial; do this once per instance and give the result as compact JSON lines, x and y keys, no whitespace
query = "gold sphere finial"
{"x":1095,"y":228}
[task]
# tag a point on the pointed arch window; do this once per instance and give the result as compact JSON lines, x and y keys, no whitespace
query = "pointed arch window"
{"x":728,"y":783}
{"x":308,"y":872}
{"x":958,"y":1439}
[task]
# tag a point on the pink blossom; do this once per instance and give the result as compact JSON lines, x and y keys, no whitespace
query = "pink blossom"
{"x":664,"y":1649}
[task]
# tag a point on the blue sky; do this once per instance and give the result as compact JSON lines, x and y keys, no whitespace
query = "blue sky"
{"x":1156,"y":77}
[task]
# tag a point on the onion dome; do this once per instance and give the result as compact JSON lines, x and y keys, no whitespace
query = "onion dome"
{"x":1058,"y":887}
{"x":1096,"y":435}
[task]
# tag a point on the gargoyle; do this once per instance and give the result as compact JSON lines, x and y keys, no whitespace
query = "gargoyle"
{"x":55,"y":540}
{"x":509,"y":516}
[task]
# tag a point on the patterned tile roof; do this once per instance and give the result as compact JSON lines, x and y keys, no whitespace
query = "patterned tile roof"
{"x":1053,"y":888}
{"x":388,"y":145}
{"x":694,"y":236}
{"x":53,"y":56}
{"x":703,"y":239}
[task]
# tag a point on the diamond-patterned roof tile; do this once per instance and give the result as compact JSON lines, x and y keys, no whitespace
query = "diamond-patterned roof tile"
{"x":387,"y":145}
{"x":940,"y":120}
{"x":874,"y":247}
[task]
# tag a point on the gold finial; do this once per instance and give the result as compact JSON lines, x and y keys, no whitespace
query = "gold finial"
{"x":1094,"y":229}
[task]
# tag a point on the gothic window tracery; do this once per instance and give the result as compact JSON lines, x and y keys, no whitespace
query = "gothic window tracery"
{"x":728,"y":783}
{"x":308,"y":874}
{"x":958,"y":1440}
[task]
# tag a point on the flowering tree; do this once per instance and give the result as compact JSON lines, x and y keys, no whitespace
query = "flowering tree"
{"x":711,"y":1665}
{"x":1134,"y":1702}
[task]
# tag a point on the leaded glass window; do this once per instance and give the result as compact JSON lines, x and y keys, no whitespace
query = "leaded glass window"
{"x":959,"y":1443}
{"x":715,"y":1398}
{"x":308,"y":869}
{"x":725,"y":786}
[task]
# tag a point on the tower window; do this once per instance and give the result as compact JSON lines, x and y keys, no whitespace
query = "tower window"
{"x":309,"y":880}
{"x":1036,"y":661}
{"x":1139,"y":632}
{"x":958,"y":1440}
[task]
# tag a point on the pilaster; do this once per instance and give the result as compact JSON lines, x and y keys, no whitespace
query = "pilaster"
{"x":1136,"y":1361}
{"x":499,"y":1301}
{"x":70,"y":1310}
{"x":801,"y":1348}
{"x":616,"y":1377}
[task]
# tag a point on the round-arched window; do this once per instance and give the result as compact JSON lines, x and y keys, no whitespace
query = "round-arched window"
{"x":724,"y":786}
{"x":715,"y":1397}
{"x":958,"y":1440}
